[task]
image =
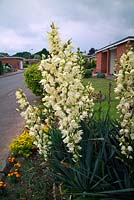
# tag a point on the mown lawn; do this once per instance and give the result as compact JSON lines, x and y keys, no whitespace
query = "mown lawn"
{"x":102,"y":84}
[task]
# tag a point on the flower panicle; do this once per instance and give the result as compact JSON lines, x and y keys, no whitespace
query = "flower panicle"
{"x":66,"y":98}
{"x":66,"y":101}
{"x":125,"y":93}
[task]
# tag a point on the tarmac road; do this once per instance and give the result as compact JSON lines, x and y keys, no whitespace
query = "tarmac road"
{"x":11,"y":123}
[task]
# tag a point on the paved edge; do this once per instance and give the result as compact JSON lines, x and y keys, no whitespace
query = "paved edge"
{"x":3,"y":162}
{"x":11,"y":73}
{"x":4,"y":166}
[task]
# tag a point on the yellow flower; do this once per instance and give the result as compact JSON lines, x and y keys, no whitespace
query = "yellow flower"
{"x":9,"y":174}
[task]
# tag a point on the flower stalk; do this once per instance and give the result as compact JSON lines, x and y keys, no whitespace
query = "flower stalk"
{"x":125,"y":93}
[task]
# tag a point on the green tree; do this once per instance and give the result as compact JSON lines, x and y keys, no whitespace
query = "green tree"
{"x":42,"y":52}
{"x":24,"y":54}
{"x":2,"y":54}
{"x":91,"y":51}
{"x":37,"y":56}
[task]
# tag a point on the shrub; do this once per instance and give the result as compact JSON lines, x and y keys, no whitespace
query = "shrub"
{"x":33,"y":78}
{"x":7,"y":68}
{"x":25,"y":65}
{"x":84,"y":61}
{"x":93,"y":63}
{"x":100,"y":75}
{"x":23,"y":145}
{"x":1,"y":68}
{"x":88,"y":73}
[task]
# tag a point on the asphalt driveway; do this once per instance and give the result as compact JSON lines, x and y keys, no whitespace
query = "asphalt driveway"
{"x":11,"y":123}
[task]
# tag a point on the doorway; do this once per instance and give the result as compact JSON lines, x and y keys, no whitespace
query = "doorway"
{"x":112,"y":60}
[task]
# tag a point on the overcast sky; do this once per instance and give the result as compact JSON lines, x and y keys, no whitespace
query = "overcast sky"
{"x":90,"y":23}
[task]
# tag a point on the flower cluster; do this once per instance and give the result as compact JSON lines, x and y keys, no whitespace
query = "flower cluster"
{"x":11,"y":159}
{"x":66,"y":99}
{"x":3,"y":184}
{"x":23,"y":145}
{"x":43,"y":138}
{"x":3,"y":188}
{"x":37,"y":128}
{"x":17,"y":164}
{"x":14,"y":173}
{"x":27,"y":111}
{"x":125,"y":93}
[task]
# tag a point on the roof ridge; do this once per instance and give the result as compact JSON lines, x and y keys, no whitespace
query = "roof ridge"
{"x":126,"y":39}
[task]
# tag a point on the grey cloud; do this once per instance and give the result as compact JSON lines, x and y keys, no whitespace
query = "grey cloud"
{"x":90,"y":23}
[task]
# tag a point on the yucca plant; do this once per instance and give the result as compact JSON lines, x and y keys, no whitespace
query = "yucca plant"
{"x":100,"y":173}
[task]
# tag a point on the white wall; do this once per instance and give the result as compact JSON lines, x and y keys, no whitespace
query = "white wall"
{"x":21,"y":64}
{"x":112,"y":60}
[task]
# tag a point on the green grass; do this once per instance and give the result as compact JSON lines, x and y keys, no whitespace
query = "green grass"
{"x":102,"y":84}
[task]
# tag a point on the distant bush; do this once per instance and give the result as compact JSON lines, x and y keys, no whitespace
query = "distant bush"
{"x":85,"y":62}
{"x":32,"y":78}
{"x":94,"y":63}
{"x":7,"y":68}
{"x":88,"y":73}
{"x":100,"y":75}
{"x":25,"y":65}
{"x":1,"y":68}
{"x":89,"y":64}
{"x":23,"y":145}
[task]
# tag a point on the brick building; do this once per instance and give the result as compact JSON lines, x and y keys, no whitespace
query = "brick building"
{"x":15,"y":62}
{"x":31,"y":61}
{"x":106,"y":56}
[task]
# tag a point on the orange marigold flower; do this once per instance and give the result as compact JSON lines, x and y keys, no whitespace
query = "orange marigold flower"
{"x":16,"y":172}
{"x":18,"y":175}
{"x":2,"y":184}
{"x":11,"y":159}
{"x":17,"y":164}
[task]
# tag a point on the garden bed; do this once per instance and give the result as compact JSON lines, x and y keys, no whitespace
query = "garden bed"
{"x":87,"y":154}
{"x":34,"y":183}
